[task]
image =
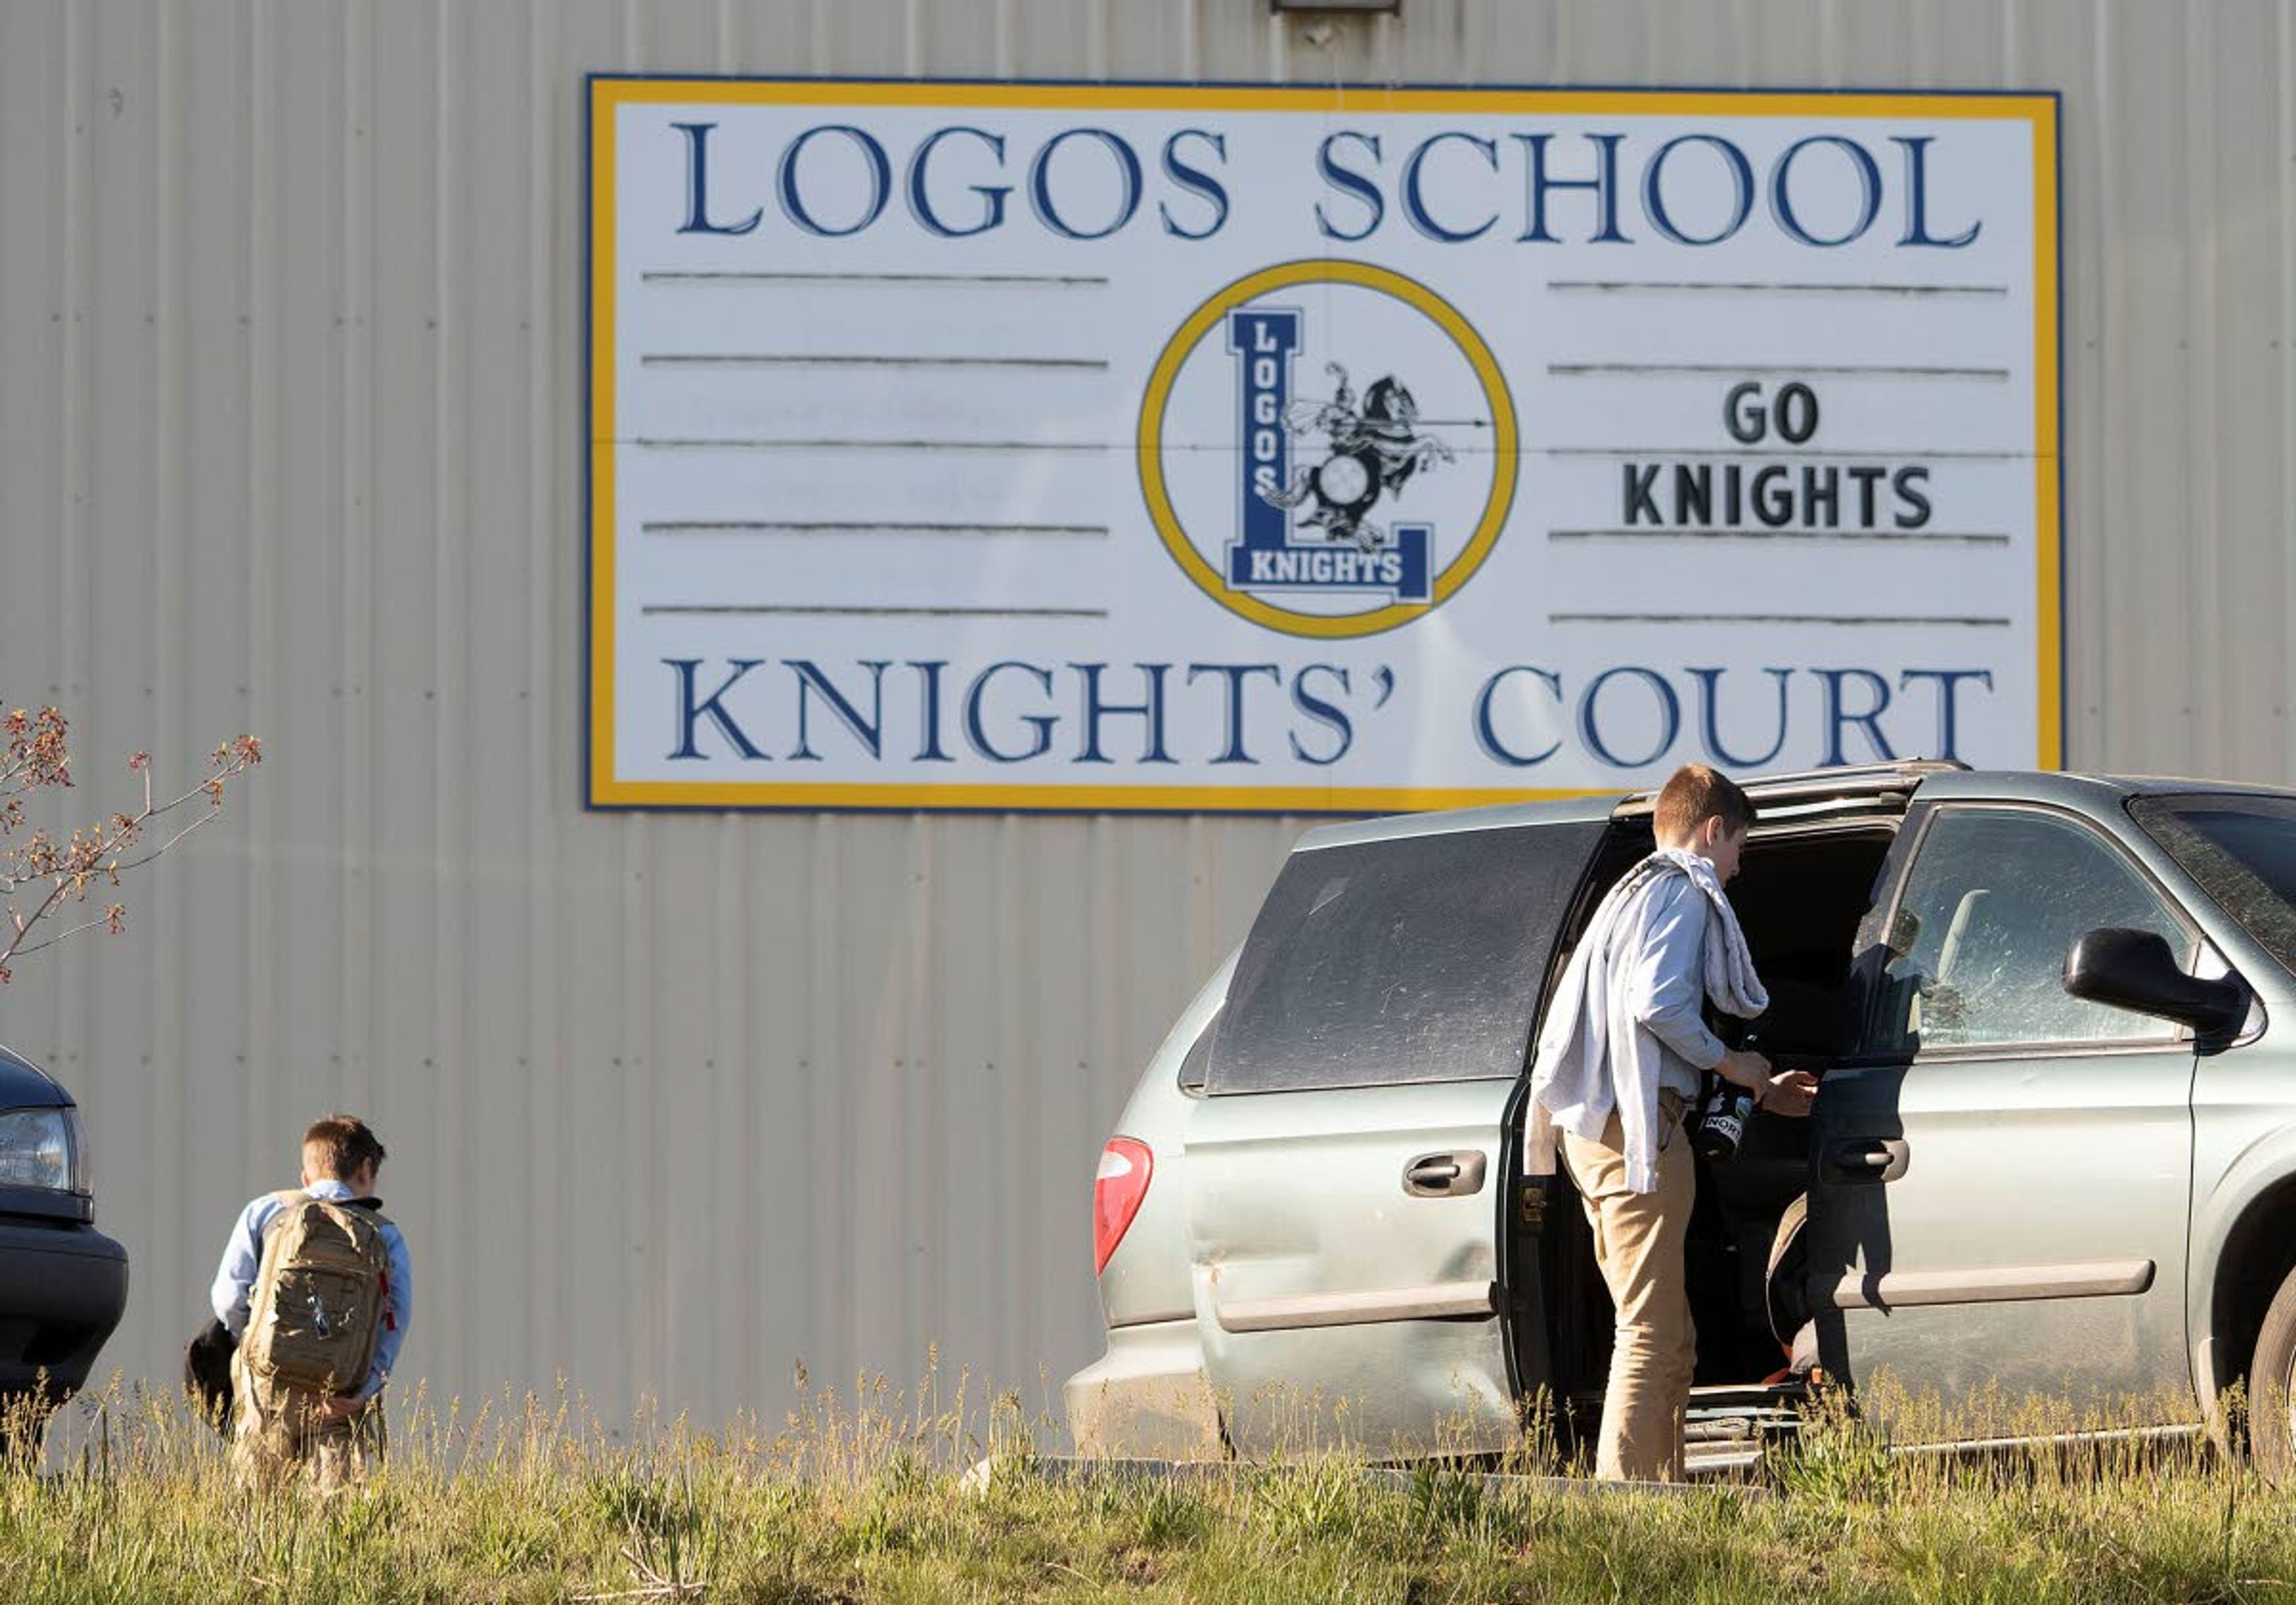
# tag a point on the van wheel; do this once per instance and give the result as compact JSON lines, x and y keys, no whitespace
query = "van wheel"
{"x":2271,"y":1397}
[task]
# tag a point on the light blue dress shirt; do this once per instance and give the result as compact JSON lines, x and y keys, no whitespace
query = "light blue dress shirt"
{"x":243,"y":1257}
{"x":1675,"y":945}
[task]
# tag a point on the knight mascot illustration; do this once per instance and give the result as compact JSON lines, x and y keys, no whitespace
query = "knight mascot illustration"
{"x":1374,"y":451}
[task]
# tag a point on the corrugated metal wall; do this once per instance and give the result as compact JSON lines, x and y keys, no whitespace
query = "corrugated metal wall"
{"x":290,"y":442}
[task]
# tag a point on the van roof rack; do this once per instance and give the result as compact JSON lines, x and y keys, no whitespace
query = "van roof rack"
{"x":1877,"y":780}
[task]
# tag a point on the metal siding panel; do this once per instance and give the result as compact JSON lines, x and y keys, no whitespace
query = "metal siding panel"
{"x":875,"y":1114}
{"x":598,"y":1250}
{"x":32,"y":330}
{"x":463,"y":172}
{"x":683,"y":966}
{"x":178,"y":1279}
{"x":73,"y":249}
{"x":2279,"y":531}
{"x":1440,"y":46}
{"x":1972,"y":42}
{"x":2147,"y":398}
{"x":1825,"y":42}
{"x":184,"y":1108}
{"x":729,"y":1155}
{"x":957,"y":38}
{"x":1239,"y":43}
{"x":859,"y":40}
{"x":1702,"y":45}
{"x":526,"y":904}
{"x":114,"y":339}
{"x":1059,"y":1051}
{"x":777,"y":1165}
{"x":1155,"y":41}
{"x":2193,"y":557}
{"x":1055,"y":39}
{"x":972,"y":1081}
{"x":2090,"y":303}
{"x":1566,"y":43}
{"x":763,"y":40}
{"x":2243,"y":474}
{"x":492,"y":579}
{"x":408,"y":1088}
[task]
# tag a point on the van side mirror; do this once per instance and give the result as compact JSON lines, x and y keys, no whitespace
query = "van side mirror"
{"x":2134,"y":970}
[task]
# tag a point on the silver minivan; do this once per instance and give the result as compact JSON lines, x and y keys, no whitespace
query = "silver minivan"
{"x":2053,"y":1153}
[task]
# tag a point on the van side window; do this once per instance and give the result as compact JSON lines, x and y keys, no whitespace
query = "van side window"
{"x":1995,"y":901}
{"x":1410,"y":959}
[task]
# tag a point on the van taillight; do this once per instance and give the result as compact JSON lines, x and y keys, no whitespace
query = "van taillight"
{"x":1118,"y":1188}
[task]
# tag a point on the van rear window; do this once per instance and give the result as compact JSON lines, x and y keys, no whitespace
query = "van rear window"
{"x":1413,"y":959}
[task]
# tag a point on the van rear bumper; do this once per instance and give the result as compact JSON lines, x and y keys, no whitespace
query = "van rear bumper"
{"x":1146,"y":1398}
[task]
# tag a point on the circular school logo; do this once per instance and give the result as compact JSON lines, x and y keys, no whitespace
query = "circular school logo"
{"x":1327,"y":448}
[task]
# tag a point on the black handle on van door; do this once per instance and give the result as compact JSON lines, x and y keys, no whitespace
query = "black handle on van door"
{"x":1868,"y":1160}
{"x":1445,"y":1174}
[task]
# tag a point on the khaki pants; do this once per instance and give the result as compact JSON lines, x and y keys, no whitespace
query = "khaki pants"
{"x":1638,"y":1239}
{"x":277,"y":1431}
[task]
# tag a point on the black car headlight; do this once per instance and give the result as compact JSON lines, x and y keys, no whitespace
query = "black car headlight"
{"x":43,"y":1148}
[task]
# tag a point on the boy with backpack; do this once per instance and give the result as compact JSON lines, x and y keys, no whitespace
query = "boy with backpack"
{"x":315,"y":1287}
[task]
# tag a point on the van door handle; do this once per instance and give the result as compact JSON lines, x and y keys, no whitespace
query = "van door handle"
{"x":1868,"y":1160}
{"x":1445,"y":1174}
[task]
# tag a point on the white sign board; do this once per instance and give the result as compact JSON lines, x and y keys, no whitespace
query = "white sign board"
{"x":1129,"y":447}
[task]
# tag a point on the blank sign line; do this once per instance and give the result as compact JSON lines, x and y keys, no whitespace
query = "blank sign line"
{"x":864,"y":527}
{"x":708,"y":444}
{"x":703,"y":443}
{"x":780,"y":359}
{"x":1868,"y":454}
{"x":791,"y":609}
{"x":1700,"y":370}
{"x":967,"y":280}
{"x":1762,"y":287}
{"x":700,"y":443}
{"x":1853,"y":619}
{"x":1934,"y":537}
{"x":1464,"y":449}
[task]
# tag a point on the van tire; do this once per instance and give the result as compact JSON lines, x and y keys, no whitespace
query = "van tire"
{"x":2271,"y":1397}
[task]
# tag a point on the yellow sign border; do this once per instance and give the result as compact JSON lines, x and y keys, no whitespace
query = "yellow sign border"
{"x":1328,"y":270}
{"x":608,"y":93}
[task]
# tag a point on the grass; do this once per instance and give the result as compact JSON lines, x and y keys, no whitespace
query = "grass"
{"x":861,"y":1496}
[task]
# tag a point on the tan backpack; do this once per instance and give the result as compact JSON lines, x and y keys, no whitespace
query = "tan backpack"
{"x":321,"y":1296}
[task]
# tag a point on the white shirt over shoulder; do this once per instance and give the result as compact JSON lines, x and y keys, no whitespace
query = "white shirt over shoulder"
{"x":1626,"y":1016}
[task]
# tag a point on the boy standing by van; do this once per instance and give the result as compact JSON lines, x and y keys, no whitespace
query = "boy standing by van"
{"x":317,"y":1287}
{"x":1620,"y":1063}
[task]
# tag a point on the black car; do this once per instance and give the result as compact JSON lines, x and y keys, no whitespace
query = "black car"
{"x":63,"y":1284}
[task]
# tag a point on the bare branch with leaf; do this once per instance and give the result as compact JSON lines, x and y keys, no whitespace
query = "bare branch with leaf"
{"x":44,"y":871}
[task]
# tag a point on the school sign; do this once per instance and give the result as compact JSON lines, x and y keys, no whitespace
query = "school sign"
{"x":1110,"y":446}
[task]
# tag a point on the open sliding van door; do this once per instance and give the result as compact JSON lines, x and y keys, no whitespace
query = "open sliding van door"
{"x":1349,"y":1170}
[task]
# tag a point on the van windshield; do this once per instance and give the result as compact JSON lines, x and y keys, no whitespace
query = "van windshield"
{"x":2242,"y":850}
